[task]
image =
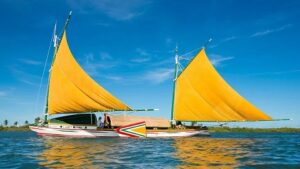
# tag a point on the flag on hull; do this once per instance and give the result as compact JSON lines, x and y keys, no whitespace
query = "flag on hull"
{"x":133,"y":130}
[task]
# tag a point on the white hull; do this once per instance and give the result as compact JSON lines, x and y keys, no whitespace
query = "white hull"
{"x":90,"y":133}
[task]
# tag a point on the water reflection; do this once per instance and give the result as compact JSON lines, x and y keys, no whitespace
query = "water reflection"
{"x":77,"y":153}
{"x":221,"y":151}
{"x":190,"y":152}
{"x":210,"y":152}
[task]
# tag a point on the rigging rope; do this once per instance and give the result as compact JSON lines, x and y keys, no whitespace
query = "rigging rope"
{"x":183,"y":56}
{"x":44,"y":70}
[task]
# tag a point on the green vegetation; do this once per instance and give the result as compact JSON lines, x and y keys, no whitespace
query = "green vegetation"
{"x":5,"y":122}
{"x":243,"y":129}
{"x":14,"y":128}
{"x":37,"y":120}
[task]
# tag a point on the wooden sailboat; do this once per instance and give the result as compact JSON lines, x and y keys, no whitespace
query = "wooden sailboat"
{"x":200,"y":94}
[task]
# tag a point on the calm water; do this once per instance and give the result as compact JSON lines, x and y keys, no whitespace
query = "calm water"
{"x":221,"y":150}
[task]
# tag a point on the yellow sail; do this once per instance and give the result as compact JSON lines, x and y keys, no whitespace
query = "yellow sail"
{"x":201,"y":94}
{"x":72,"y":90}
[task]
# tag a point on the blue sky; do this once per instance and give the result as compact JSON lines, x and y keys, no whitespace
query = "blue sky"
{"x":128,"y":47}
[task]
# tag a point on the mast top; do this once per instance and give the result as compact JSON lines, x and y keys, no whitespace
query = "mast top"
{"x":67,"y":21}
{"x":206,"y":44}
{"x":176,"y":54}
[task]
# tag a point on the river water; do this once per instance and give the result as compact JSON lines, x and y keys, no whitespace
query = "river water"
{"x":221,"y":150}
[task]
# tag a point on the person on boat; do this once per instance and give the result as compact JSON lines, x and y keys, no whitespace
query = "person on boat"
{"x":179,"y":125}
{"x":107,"y":121}
{"x":173,"y":123}
{"x":100,"y":124}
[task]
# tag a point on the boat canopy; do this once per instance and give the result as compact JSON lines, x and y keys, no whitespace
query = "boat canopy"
{"x":151,"y":122}
{"x":75,"y":119}
{"x":201,"y":94}
{"x":72,"y":90}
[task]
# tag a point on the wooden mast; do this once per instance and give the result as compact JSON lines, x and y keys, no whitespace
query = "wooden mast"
{"x":56,"y":46}
{"x":176,"y":75}
{"x":174,"y":81}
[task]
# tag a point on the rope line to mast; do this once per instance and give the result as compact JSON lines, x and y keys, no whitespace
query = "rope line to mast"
{"x":183,"y":56}
{"x":43,"y":74}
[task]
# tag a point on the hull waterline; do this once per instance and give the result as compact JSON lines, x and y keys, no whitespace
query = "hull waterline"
{"x":86,"y":133}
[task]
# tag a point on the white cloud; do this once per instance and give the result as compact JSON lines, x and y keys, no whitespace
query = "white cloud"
{"x":3,"y":93}
{"x":144,"y":56}
{"x":213,"y":46}
{"x":142,"y":52}
{"x":169,"y":41}
{"x":276,"y":72}
{"x":229,"y":38}
{"x":30,"y":62}
{"x":159,"y":75}
{"x":26,"y":81}
{"x":92,"y":66}
{"x":262,"y":33}
{"x":116,"y":9}
{"x":217,"y":60}
{"x":140,"y":60}
{"x":103,"y":24}
{"x":115,"y":78}
{"x":225,"y":40}
{"x":24,"y":76}
{"x":269,"y":31}
{"x":105,"y":56}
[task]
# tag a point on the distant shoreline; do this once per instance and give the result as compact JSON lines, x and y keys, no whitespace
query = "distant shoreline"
{"x":210,"y":129}
{"x":252,"y":130}
{"x":13,"y":128}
